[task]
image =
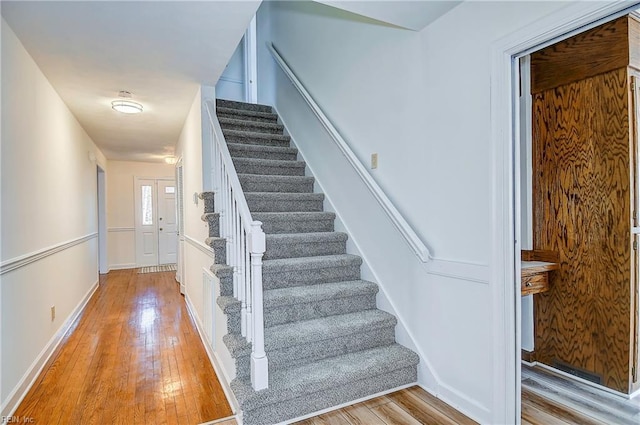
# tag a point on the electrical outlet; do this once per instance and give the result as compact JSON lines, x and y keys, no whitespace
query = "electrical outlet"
{"x":374,"y":161}
{"x":53,"y":312}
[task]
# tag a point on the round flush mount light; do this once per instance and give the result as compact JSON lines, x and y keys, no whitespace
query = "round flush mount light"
{"x":125,"y":105}
{"x":171,"y":160}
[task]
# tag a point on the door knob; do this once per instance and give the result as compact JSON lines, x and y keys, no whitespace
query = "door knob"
{"x":161,"y":229}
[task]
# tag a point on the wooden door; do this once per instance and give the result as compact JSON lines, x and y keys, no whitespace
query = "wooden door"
{"x":582,"y":210}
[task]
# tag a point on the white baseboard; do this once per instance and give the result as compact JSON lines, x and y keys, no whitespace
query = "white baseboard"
{"x":215,"y":362}
{"x":20,"y":391}
{"x":122,"y":266}
{"x":461,"y":402}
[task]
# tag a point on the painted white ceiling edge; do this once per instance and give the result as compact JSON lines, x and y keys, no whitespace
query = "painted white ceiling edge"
{"x":413,"y":14}
{"x":160,"y":51}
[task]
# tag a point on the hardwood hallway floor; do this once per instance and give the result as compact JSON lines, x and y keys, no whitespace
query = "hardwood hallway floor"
{"x":133,"y":357}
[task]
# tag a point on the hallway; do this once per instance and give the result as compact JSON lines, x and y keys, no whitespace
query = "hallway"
{"x":133,"y":357}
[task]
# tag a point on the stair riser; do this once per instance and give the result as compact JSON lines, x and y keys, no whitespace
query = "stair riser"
{"x":256,"y":154}
{"x":269,"y":205}
{"x":243,"y":106}
{"x":275,"y":227}
{"x":273,"y":280}
{"x":266,"y":186}
{"x":208,"y":197}
{"x":219,"y":251}
{"x":294,"y":249}
{"x":308,"y":403}
{"x":250,"y":126}
{"x":248,"y":140}
{"x":214,"y":228}
{"x":268,"y":170}
{"x":308,"y":353}
{"x":315,"y":310}
{"x":271,"y":119}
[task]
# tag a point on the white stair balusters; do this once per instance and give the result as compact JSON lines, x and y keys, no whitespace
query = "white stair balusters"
{"x":245,"y":241}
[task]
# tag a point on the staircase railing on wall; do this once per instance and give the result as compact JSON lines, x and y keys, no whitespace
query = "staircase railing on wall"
{"x":396,"y":217}
{"x":246,"y":244}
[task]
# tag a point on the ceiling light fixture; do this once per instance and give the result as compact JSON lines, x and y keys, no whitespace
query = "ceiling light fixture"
{"x":171,"y":160}
{"x":125,"y":105}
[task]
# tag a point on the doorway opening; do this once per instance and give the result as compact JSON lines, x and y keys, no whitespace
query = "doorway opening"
{"x":530,"y":190}
{"x":156,"y":223}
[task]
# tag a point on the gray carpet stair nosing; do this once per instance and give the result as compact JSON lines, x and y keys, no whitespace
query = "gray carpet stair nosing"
{"x":305,"y":294}
{"x":269,"y":162}
{"x":291,"y":245}
{"x":267,"y":127}
{"x":246,"y":114}
{"x":276,"y":183}
{"x":257,"y":135}
{"x":245,"y":150}
{"x":243,"y":106}
{"x":310,"y":263}
{"x":318,"y":376}
{"x":262,"y":148}
{"x":326,"y":328}
{"x":294,"y":216}
{"x":318,"y":292}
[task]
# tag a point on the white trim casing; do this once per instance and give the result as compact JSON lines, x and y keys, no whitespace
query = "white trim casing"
{"x":576,"y":17}
{"x":396,"y":217}
{"x":24,"y":260}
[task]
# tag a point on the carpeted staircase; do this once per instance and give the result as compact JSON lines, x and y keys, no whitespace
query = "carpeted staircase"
{"x":326,"y":342}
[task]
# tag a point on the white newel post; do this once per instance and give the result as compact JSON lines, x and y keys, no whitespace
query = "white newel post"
{"x":259,"y":362}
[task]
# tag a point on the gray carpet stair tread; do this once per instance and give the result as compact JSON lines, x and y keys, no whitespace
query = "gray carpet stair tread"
{"x":322,"y":291}
{"x":293,"y":216}
{"x":276,"y":196}
{"x":253,"y":124}
{"x":243,"y":113}
{"x":324,"y":374}
{"x":326,"y":328}
{"x":256,"y":135}
{"x":281,"y":163}
{"x":314,"y":237}
{"x":309,"y":263}
{"x":275,"y":179}
{"x":233,"y":104}
{"x":260,"y":148}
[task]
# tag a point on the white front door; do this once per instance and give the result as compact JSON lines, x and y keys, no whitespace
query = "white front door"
{"x":167,"y":222}
{"x":146,"y":223}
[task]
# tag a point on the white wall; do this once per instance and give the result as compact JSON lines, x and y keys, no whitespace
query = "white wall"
{"x":421,"y":100}
{"x":121,"y":242}
{"x":230,"y":86}
{"x":49,"y":198}
{"x":198,"y":257}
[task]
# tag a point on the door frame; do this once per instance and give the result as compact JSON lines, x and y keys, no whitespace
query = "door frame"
{"x":505,"y":127}
{"x":251,"y":62}
{"x":136,"y":211}
{"x":103,"y":266}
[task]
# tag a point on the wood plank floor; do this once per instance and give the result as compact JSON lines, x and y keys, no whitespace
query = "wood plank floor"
{"x":134,"y":356}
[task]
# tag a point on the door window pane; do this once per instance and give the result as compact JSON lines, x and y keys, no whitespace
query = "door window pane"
{"x":147,"y":206}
